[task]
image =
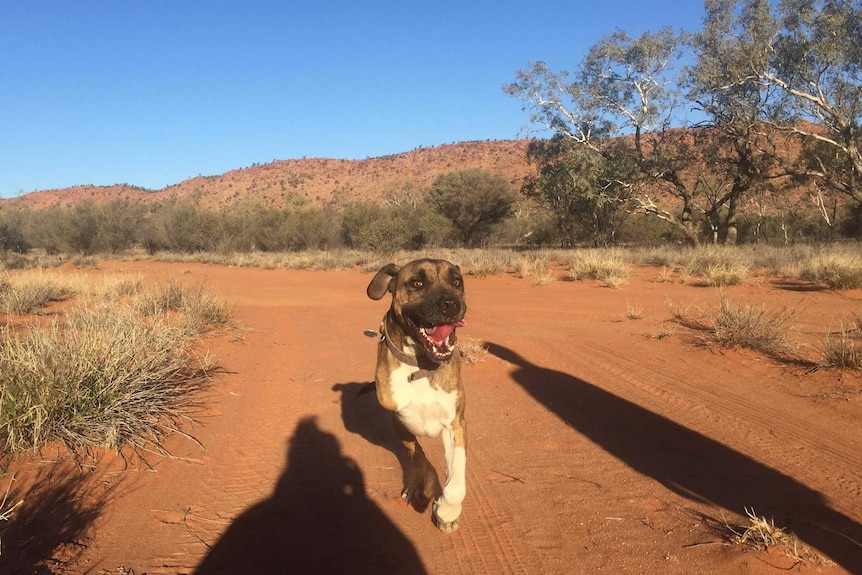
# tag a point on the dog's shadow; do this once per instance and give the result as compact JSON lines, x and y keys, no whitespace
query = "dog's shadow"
{"x":363,"y":415}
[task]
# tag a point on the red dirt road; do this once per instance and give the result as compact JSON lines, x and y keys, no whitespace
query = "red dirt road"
{"x":594,"y":446}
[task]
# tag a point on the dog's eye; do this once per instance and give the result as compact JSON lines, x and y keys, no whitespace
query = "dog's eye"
{"x":456,"y":282}
{"x":417,"y":284}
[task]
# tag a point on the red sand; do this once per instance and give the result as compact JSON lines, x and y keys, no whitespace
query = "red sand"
{"x":594,"y":446}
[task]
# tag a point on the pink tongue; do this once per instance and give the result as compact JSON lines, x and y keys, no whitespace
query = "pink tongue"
{"x":438,"y":334}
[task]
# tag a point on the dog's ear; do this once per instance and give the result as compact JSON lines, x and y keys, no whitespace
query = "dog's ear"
{"x":382,"y":281}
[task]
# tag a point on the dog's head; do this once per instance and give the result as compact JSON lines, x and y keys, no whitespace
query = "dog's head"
{"x":427,"y":302}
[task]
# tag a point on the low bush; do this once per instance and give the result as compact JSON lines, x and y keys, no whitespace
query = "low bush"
{"x":835,"y":269}
{"x":609,"y":266}
{"x":104,"y":374}
{"x":751,"y":326}
{"x":535,"y":266}
{"x":31,"y":293}
{"x":842,"y":349}
{"x":717,"y":265}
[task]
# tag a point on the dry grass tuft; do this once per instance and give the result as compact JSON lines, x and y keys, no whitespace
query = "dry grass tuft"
{"x":300,"y":260}
{"x":10,"y":260}
{"x":717,"y":265}
{"x":726,"y":275}
{"x":472,"y":350}
{"x":481,"y":263}
{"x":664,"y":331}
{"x":714,"y":265}
{"x":735,"y":325}
{"x":106,"y":374}
{"x":121,"y":286}
{"x":678,"y":311}
{"x":536,"y":266}
{"x":752,"y":327}
{"x":104,"y":377}
{"x":7,"y":509}
{"x":706,"y":265}
{"x":762,"y":534}
{"x":199,"y":310}
{"x":610,"y":267}
{"x":634,"y":311}
{"x":29,"y":293}
{"x":834,"y":269}
{"x":842,"y":349}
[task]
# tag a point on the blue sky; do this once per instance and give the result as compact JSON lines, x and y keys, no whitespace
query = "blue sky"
{"x":152,"y":92}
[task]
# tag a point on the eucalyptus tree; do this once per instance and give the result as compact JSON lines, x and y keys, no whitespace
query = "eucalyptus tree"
{"x":623,"y":103}
{"x":587,"y":193}
{"x":805,"y":58}
{"x":819,"y":69}
{"x":740,"y":150}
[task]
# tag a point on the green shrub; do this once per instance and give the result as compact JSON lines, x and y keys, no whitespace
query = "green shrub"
{"x":473,"y":200}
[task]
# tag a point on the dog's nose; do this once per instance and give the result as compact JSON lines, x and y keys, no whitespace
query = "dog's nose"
{"x":450,"y":307}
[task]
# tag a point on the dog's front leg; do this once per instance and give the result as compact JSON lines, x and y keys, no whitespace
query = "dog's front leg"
{"x":417,"y":488}
{"x":447,"y":509}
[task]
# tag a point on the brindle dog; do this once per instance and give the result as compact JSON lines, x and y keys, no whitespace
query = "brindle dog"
{"x":418,"y":374}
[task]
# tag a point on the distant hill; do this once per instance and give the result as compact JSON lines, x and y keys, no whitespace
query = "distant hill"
{"x":317,"y":181}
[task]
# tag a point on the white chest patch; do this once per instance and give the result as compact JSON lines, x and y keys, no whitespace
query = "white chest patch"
{"x":422,"y":409}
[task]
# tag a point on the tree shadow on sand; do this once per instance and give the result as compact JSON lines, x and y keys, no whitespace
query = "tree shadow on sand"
{"x":318,"y":520}
{"x":688,"y":463}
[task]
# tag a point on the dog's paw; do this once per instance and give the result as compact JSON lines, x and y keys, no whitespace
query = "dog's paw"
{"x":414,"y":495}
{"x":446,"y":516}
{"x":450,"y":527}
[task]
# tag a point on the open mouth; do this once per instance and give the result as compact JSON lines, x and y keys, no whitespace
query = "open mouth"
{"x":438,"y":340}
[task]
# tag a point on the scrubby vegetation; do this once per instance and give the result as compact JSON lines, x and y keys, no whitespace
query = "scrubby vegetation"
{"x":735,"y":324}
{"x":56,"y":235}
{"x":842,"y":348}
{"x":773,"y":160}
{"x":116,"y":366}
{"x":608,"y":266}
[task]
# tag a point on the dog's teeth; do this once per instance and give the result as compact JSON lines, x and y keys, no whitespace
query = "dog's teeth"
{"x":430,"y":330}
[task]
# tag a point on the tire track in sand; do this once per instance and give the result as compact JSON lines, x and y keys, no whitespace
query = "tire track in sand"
{"x":777,"y":432}
{"x":695,"y":398}
{"x":246,"y":442}
{"x":487,"y":541}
